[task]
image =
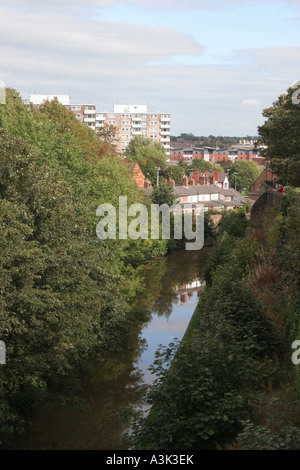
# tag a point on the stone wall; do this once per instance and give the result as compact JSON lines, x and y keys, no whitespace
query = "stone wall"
{"x":265,"y":209}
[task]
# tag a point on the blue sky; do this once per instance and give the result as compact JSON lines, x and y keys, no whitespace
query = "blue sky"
{"x":214,"y":65}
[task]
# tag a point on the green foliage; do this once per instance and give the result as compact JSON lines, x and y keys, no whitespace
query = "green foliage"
{"x":258,"y":437}
{"x":219,"y":255}
{"x":58,"y":287}
{"x":164,"y":194}
{"x":280,"y":133}
{"x":287,"y":245}
{"x":184,"y":167}
{"x":287,"y":238}
{"x":211,"y":140}
{"x":235,"y":223}
{"x":247,"y":173}
{"x":175,"y":172}
{"x":66,"y":297}
{"x":203,"y":398}
{"x":148,"y":154}
{"x":232,"y":226}
{"x":206,"y":389}
{"x":203,"y":391}
{"x":203,"y":165}
{"x":209,"y":226}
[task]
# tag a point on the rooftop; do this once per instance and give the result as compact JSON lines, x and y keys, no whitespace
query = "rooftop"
{"x":198,"y":189}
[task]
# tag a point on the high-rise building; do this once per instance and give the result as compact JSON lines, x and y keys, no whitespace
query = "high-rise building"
{"x":129,"y":120}
{"x":85,"y":113}
{"x":37,"y":100}
{"x":133,"y":120}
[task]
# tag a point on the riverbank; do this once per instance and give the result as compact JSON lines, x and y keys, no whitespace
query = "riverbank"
{"x":231,"y":382}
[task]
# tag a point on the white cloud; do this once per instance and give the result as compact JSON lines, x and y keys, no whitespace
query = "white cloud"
{"x":251,"y":102}
{"x":206,"y":4}
{"x":106,"y":62}
{"x":201,"y":99}
{"x":78,"y":40}
{"x":57,"y":3}
{"x":272,"y":64}
{"x":151,"y":4}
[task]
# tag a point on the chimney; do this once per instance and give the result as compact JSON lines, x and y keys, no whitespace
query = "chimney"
{"x":185,"y":181}
{"x":173,"y":183}
{"x":202,"y":180}
{"x":196,"y":175}
{"x":212,"y":179}
{"x":216,"y":175}
{"x":192,"y":182}
{"x":147,"y":184}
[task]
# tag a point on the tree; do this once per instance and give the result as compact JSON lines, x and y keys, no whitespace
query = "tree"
{"x":148,"y":154}
{"x":62,"y":293}
{"x":164,"y":194}
{"x":175,"y":172}
{"x":107,"y":136}
{"x":246,"y":173}
{"x":280,"y":133}
{"x":66,"y":297}
{"x":185,"y":167}
{"x":203,"y":165}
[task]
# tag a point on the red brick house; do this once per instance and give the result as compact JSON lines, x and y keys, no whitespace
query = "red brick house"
{"x":262,"y":183}
{"x":138,"y":175}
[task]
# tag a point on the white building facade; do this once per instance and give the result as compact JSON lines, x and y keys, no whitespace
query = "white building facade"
{"x":129,"y":120}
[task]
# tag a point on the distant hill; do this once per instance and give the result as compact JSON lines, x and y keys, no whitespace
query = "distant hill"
{"x":186,"y":139}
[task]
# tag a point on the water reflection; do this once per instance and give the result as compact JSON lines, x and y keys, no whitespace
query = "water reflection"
{"x":171,"y":288}
{"x":178,"y":287}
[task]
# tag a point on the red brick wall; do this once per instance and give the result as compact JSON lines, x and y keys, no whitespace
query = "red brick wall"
{"x":138,"y":176}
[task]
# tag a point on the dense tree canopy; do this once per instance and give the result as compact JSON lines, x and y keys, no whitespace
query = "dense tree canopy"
{"x":164,"y":194}
{"x":58,"y":294}
{"x":280,"y":133}
{"x":66,"y":296}
{"x":148,"y":154}
{"x":203,"y":165}
{"x":243,"y":174}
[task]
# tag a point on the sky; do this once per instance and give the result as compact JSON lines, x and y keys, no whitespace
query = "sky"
{"x":213,"y":64}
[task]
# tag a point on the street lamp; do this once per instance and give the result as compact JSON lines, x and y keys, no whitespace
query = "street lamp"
{"x":157,"y":176}
{"x":235,"y":173}
{"x":228,"y":173}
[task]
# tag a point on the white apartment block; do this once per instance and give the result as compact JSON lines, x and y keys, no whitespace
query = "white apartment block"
{"x":85,"y":113}
{"x":129,"y":120}
{"x":37,"y":100}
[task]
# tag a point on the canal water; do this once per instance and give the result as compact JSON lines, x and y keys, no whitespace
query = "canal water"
{"x":173,"y":285}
